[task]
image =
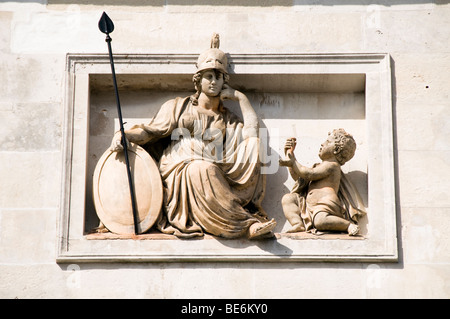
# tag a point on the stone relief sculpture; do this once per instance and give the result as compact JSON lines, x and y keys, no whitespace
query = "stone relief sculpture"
{"x":323,"y":199}
{"x":208,"y":158}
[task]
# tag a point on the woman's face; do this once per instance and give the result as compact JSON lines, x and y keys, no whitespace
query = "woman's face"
{"x":212,"y":83}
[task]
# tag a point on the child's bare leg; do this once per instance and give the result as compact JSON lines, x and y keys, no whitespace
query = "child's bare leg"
{"x":292,"y":213}
{"x":326,"y":222}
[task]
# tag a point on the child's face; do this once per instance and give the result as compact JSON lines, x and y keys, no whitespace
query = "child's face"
{"x":327,"y":148}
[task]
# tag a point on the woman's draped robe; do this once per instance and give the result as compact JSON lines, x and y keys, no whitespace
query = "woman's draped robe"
{"x":211,"y":175}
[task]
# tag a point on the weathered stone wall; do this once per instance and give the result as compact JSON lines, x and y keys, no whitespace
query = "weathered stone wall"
{"x":35,"y":37}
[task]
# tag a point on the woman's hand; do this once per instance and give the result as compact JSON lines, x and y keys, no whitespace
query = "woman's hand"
{"x":116,"y":144}
{"x":228,"y":93}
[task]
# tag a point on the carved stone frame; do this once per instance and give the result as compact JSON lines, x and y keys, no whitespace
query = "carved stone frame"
{"x":380,"y":246}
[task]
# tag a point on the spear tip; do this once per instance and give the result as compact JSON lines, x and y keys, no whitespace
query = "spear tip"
{"x":105,"y":24}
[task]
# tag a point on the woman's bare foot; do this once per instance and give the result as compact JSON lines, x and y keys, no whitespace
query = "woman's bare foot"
{"x":353,"y":229}
{"x":259,"y":229}
{"x":101,"y":229}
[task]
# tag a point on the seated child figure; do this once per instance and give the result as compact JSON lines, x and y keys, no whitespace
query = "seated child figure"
{"x":317,"y":201}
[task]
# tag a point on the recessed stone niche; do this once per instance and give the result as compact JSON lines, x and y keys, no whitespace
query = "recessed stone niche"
{"x":295,"y":95}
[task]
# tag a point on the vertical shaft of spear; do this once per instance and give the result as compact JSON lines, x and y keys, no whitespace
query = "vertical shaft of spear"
{"x":106,"y":26}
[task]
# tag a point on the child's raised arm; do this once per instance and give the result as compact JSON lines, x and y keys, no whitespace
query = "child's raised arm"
{"x":297,"y":170}
{"x":315,"y":173}
{"x":289,"y":160}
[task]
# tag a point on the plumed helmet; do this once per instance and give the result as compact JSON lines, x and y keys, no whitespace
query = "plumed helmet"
{"x":213,"y":58}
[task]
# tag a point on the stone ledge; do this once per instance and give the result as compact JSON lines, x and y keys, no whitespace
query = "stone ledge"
{"x":154,"y":235}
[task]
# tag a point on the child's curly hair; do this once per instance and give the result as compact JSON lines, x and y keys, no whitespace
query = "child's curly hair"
{"x":345,"y":145}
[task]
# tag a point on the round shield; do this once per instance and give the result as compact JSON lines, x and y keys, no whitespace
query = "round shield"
{"x":111,"y":191}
